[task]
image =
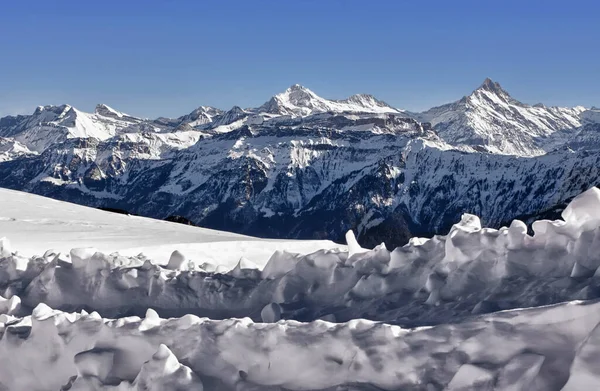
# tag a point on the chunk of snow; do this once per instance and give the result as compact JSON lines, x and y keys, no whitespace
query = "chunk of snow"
{"x":353,"y":246}
{"x":520,"y":372}
{"x":5,"y":249}
{"x":584,"y":210}
{"x":470,"y":377}
{"x":95,"y":362}
{"x":242,"y":268}
{"x":10,"y":306}
{"x":80,"y":256}
{"x":469,"y":222}
{"x":584,"y":371}
{"x":150,"y":320}
{"x":280,"y":263}
{"x":164,"y":373}
{"x":271,"y":313}
{"x":177,"y":261}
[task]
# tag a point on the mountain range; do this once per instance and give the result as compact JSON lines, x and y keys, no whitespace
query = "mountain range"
{"x":302,"y":166}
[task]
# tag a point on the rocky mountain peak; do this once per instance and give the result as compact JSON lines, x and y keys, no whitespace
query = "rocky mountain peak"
{"x":490,"y":85}
{"x":106,"y":111}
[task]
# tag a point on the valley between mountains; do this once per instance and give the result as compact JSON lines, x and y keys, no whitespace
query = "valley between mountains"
{"x":304,"y":167}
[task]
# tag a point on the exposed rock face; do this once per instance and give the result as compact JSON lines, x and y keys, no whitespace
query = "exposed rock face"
{"x":302,"y":166}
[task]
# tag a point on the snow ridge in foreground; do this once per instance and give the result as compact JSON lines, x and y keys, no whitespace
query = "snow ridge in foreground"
{"x":472,"y":270}
{"x":540,"y":349}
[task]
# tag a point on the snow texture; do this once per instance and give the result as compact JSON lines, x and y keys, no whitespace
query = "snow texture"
{"x":91,"y":300}
{"x":88,"y":320}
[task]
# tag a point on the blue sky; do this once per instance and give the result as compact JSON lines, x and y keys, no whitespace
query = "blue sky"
{"x":164,"y":58}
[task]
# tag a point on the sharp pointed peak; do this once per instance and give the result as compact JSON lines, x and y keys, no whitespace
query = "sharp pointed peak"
{"x":492,"y":86}
{"x":488,"y":82}
{"x":236,"y":109}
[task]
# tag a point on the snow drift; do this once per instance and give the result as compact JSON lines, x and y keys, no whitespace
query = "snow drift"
{"x":443,"y":283}
{"x":535,"y":349}
{"x":428,"y":281}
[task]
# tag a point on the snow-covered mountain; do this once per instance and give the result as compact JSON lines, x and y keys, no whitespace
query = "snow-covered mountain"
{"x":300,"y":101}
{"x":490,"y":118}
{"x":301,"y":166}
{"x":200,"y":116}
{"x":50,"y":125}
{"x":11,"y":149}
{"x":164,"y":306}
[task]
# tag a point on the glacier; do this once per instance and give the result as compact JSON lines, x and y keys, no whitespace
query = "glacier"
{"x":475,"y":309}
